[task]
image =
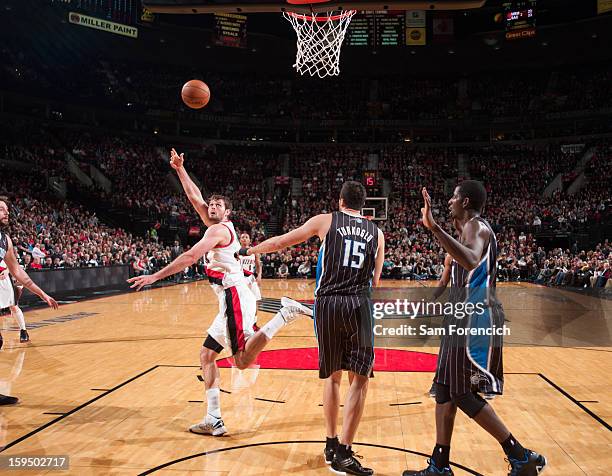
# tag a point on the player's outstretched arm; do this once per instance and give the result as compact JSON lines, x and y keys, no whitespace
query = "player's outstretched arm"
{"x":191,"y":189}
{"x":214,"y":236}
{"x":21,"y":276}
{"x":467,"y":254}
{"x":380,"y":258}
{"x":316,"y":226}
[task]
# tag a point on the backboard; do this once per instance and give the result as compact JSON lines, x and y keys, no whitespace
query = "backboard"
{"x":376,"y":208}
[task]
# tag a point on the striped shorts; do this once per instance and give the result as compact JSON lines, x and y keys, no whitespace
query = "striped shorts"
{"x":234,"y":323}
{"x":343,"y":325}
{"x":472,"y":364}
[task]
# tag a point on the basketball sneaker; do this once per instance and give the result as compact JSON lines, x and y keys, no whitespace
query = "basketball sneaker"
{"x":431,"y":470}
{"x":532,"y":465}
{"x":6,"y":400}
{"x":293,"y":309}
{"x":209,"y":426}
{"x":349,"y":465}
{"x":330,"y":451}
{"x":23,"y":336}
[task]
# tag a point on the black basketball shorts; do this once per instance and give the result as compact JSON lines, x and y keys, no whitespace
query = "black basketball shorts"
{"x":344,"y":328}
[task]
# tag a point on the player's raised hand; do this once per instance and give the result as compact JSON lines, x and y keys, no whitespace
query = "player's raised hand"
{"x":176,"y":161}
{"x":50,"y":301}
{"x":428,"y":219}
{"x":139,"y":282}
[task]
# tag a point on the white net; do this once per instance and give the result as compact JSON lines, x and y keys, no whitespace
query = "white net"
{"x":319,"y":41}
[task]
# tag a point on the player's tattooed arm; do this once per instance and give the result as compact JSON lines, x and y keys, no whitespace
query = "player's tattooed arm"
{"x":21,"y":276}
{"x":191,"y":189}
{"x":316,"y":226}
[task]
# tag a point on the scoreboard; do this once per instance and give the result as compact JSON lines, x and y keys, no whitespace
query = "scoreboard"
{"x":377,"y":28}
{"x":370,"y":179}
{"x":520,"y":17}
{"x":231,"y":30}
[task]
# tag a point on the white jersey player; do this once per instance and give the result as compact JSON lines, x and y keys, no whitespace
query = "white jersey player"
{"x":7,"y":253}
{"x":10,"y":292}
{"x":232,"y":328}
{"x":251,"y":266}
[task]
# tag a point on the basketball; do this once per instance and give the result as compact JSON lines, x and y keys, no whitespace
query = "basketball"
{"x":195,"y":94}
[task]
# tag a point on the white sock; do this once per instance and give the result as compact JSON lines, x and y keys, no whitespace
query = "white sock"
{"x":17,"y":314}
{"x":274,"y":325}
{"x":214,"y":405}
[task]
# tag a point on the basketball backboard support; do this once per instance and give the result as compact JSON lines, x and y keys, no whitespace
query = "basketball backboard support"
{"x":261,"y":6}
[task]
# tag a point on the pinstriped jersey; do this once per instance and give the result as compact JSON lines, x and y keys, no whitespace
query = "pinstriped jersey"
{"x":484,"y":274}
{"x":474,"y":362}
{"x":347,"y":256}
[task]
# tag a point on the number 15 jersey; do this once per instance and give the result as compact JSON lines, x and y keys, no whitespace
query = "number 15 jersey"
{"x":347,"y":256}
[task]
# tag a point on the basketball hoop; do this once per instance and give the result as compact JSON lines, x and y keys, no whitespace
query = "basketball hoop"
{"x":319,"y":40}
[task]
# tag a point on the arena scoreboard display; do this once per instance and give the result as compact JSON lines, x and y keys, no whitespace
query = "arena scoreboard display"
{"x":231,"y":30}
{"x":370,"y":179}
{"x":520,"y":17}
{"x":375,"y":29}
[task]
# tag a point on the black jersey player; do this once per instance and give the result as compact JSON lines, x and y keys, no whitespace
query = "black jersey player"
{"x":350,"y":262}
{"x":470,"y":366}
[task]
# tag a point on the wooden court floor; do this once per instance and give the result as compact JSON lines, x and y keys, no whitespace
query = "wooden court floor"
{"x":112,"y":382}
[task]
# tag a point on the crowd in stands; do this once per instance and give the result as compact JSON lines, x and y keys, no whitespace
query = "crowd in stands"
{"x":51,"y":233}
{"x":27,"y":142}
{"x":48,"y":233}
{"x":516,"y":176}
{"x":119,"y":84}
{"x":139,"y":171}
{"x":388,"y":97}
{"x":520,"y":259}
{"x":55,"y":233}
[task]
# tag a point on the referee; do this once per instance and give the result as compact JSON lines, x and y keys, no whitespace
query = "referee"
{"x":350,"y":261}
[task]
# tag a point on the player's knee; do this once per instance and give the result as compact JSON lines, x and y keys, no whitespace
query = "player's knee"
{"x":442,"y":394}
{"x":470,"y":403}
{"x":207,"y":356}
{"x":336,"y":377}
{"x":359,"y":381}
